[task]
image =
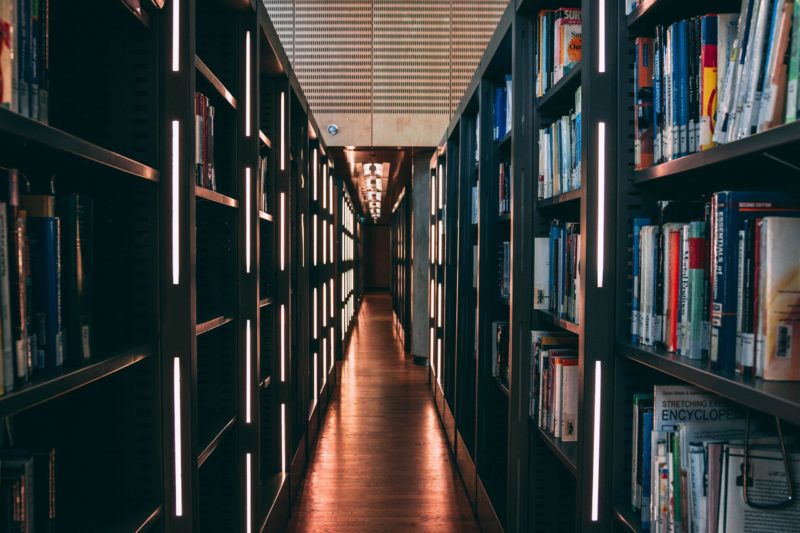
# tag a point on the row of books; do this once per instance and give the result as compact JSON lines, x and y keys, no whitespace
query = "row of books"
{"x":560,"y":153}
{"x":715,"y":79}
{"x":502,"y":110}
{"x":687,"y":467}
{"x":24,"y":57}
{"x":716,"y":280}
{"x":205,"y":173}
{"x":27,"y":491}
{"x":504,"y":185}
{"x":263,"y":180}
{"x":504,"y":260}
{"x":554,"y":383}
{"x":501,"y":363}
{"x":557,"y":271}
{"x":558,"y":46}
{"x":45,"y":281}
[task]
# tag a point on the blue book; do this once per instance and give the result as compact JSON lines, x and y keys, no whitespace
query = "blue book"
{"x":553,"y":265}
{"x":638,"y":224}
{"x":499,"y":112}
{"x":647,"y":439}
{"x":43,"y":238}
{"x":682,"y":91}
{"x":729,"y":210}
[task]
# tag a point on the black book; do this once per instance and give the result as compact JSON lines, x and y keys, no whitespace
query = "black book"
{"x":76,"y":214}
{"x":17,"y":483}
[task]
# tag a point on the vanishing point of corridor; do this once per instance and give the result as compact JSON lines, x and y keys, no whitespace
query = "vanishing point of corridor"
{"x":382,"y":462}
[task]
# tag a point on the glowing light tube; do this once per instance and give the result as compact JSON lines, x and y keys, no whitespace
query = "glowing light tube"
{"x":283,"y":343}
{"x":598,"y":388}
{"x":247,"y":95}
{"x":601,"y":201}
{"x":176,"y":35}
{"x":283,"y":437}
{"x":176,"y":224}
{"x":176,"y":417}
{"x":248,"y":377}
{"x":247,"y":219}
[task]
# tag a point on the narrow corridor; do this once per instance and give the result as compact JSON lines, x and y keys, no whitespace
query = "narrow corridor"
{"x":382,"y":462}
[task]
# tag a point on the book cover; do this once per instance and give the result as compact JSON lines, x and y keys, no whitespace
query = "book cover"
{"x":695,"y":290}
{"x":781,"y":317}
{"x":749,"y":99}
{"x":567,"y":41}
{"x":569,"y":398}
{"x":640,"y":404}
{"x":509,"y":110}
{"x":658,"y":95}
{"x":773,"y":110}
{"x":730,"y":209}
{"x":636,"y":252}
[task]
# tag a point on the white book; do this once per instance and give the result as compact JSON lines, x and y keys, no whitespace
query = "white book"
{"x":555,"y":428}
{"x":773,"y":93}
{"x":541,"y":273}
{"x":746,"y":38}
{"x":727,"y":82}
{"x":754,"y":66}
{"x":569,"y":402}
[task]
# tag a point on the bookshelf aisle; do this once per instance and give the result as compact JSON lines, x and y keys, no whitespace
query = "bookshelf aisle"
{"x":617,"y":234}
{"x":349,"y":237}
{"x":401,"y":265}
{"x":170,"y":383}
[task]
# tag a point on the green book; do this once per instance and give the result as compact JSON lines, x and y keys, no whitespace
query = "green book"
{"x":794,"y":67}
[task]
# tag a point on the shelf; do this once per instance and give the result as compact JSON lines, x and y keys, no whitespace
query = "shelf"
{"x":209,"y":449}
{"x":215,"y":82}
{"x":755,"y":146}
{"x":265,"y":302}
{"x":562,"y":199}
{"x":135,"y":521}
{"x":214,"y":323}
{"x":504,"y":144}
{"x":560,"y":98}
{"x":215,"y":197}
{"x":560,"y":322}
{"x":269,"y":495}
{"x":264,"y":139}
{"x":149,"y":521}
{"x":649,"y":13}
{"x":627,"y":519}
{"x":502,"y":386}
{"x":778,"y":398}
{"x":263,"y":215}
{"x":40,"y":391}
{"x":29,"y":140}
{"x":567,"y":452}
{"x":139,"y":14}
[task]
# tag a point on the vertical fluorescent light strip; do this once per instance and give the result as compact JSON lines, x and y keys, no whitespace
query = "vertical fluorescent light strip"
{"x":439,"y":313}
{"x":433,"y":299}
{"x":314,"y":242}
{"x":316,"y":169}
{"x":601,"y":201}
{"x":176,"y":178}
{"x":325,"y":349}
{"x":332,"y":351}
{"x":430,"y":356}
{"x":247,"y":96}
{"x":325,"y":305}
{"x":315,"y":312}
{"x":441,"y":187}
{"x":439,"y":361}
{"x":247,"y":218}
{"x":249,"y":488}
{"x":316,"y":378}
{"x":332,"y":300}
{"x":176,"y":35}
{"x":325,"y":194}
{"x":324,"y":371}
{"x":248,"y":377}
{"x":441,"y":241}
{"x":324,"y":242}
{"x":283,"y":343}
{"x":283,"y":231}
{"x":433,"y":195}
{"x":283,"y":437}
{"x":330,"y":248}
{"x":283,"y":130}
{"x":330,"y":194}
{"x":176,"y":417}
{"x":601,"y":36}
{"x":598,"y":374}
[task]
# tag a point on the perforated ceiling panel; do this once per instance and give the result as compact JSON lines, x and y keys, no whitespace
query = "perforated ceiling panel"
{"x":396,"y":66}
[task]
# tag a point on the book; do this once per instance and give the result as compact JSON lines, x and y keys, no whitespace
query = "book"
{"x":8,"y":64}
{"x":767,"y":481}
{"x":794,"y":66}
{"x":779,"y":336}
{"x":641,"y":403}
{"x":729,"y":209}
{"x":567,"y":45}
{"x":508,"y":99}
{"x":541,"y":267}
{"x":541,"y":344}
{"x":500,"y":352}
{"x":44,"y":241}
{"x":708,"y":79}
{"x":643,"y":100}
{"x":77,"y":252}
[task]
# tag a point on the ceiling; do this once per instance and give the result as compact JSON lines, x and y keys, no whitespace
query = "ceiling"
{"x":349,"y":162}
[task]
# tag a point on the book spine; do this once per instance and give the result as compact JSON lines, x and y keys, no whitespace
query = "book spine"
{"x":719,"y":346}
{"x":696,"y":290}
{"x":44,"y":245}
{"x":658,"y":96}
{"x":682,"y":92}
{"x":23,"y":24}
{"x":647,"y":432}
{"x":794,"y":66}
{"x":708,"y":80}
{"x":674,"y":289}
{"x":683,"y":325}
{"x":747,"y":341}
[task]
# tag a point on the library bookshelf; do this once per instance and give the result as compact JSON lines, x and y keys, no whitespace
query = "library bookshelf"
{"x":518,"y":475}
{"x":203,"y":395}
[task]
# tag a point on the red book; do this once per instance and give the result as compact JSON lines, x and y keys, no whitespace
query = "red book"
{"x":674,"y":273}
{"x":643,"y":130}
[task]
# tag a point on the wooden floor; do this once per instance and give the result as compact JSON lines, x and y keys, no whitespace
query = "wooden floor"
{"x":382,"y":462}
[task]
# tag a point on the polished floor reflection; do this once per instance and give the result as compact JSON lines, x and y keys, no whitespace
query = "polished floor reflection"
{"x":382,"y":462}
